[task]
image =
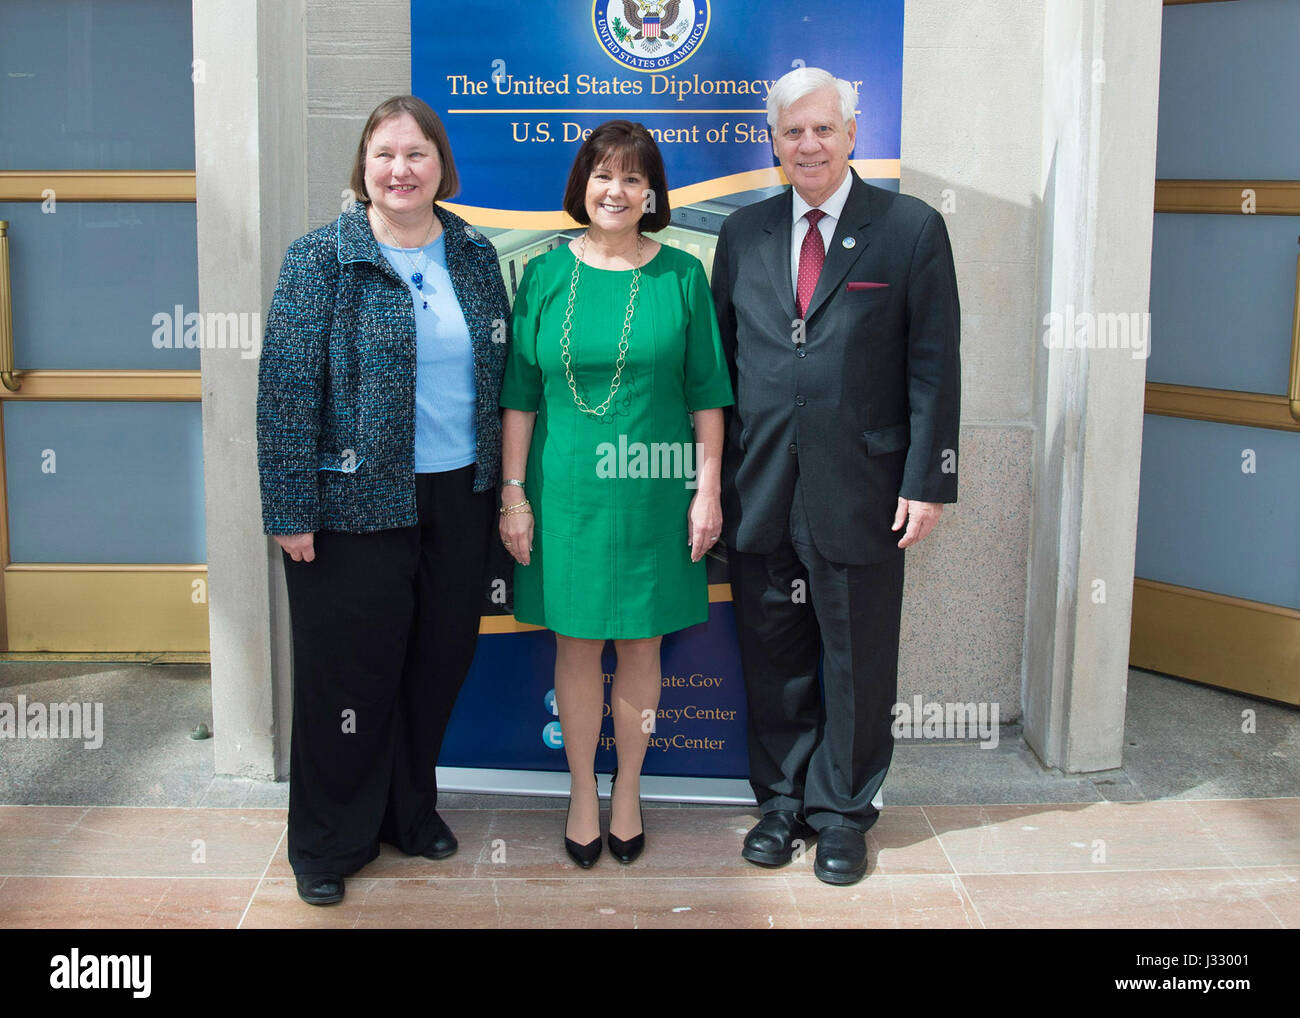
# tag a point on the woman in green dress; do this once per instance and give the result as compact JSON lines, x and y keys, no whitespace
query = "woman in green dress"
{"x":611,"y":459}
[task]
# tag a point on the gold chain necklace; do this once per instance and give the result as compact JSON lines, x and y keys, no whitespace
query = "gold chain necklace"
{"x":601,"y":410}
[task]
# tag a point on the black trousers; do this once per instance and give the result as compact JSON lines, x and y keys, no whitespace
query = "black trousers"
{"x":384,"y":629}
{"x":824,"y":757}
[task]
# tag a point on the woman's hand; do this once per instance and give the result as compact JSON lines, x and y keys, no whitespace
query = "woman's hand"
{"x":516,"y":528}
{"x":704,"y":519}
{"x":299,"y":547}
{"x":517,"y":533}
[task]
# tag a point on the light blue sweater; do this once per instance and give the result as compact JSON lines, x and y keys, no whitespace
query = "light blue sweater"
{"x":444,"y":361}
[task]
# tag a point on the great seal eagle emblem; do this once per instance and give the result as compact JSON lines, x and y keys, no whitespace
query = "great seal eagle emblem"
{"x":650,"y":35}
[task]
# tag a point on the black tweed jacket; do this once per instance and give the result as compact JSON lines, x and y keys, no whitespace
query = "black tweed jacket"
{"x":336,"y":383}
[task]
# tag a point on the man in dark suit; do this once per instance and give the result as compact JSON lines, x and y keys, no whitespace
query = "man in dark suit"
{"x":837,"y":303}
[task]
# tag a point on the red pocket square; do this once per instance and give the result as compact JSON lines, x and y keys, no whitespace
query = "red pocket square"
{"x":868,"y":286}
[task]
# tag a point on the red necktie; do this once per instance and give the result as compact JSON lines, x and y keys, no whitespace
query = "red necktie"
{"x":812,"y":255}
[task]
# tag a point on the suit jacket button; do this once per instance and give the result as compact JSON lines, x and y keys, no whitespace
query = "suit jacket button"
{"x":799,"y":351}
{"x":794,"y":449}
{"x":799,"y":401}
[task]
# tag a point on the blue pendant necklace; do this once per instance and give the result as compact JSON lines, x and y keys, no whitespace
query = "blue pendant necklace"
{"x":417,"y":271}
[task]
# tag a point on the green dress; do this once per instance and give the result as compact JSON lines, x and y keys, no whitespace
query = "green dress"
{"x":610,"y":494}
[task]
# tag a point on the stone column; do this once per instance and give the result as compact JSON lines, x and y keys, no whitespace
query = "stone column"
{"x":250,"y":147}
{"x":1101,"y":61}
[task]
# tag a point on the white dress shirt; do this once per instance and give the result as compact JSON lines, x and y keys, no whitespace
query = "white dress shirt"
{"x":832,"y":206}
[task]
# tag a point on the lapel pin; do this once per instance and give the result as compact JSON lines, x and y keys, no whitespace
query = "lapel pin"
{"x":475,"y":236}
{"x":848,"y":242}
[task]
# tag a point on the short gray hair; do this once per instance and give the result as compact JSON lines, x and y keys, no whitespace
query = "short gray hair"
{"x":794,"y":85}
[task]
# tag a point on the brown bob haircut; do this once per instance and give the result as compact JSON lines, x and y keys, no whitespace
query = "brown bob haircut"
{"x":620,"y":144}
{"x":429,"y":125}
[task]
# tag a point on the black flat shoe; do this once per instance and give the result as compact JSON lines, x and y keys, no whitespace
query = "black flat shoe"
{"x":841,"y":856}
{"x":584,"y":855}
{"x":625,"y":851}
{"x":320,"y":888}
{"x":444,"y":842}
{"x":770,"y":842}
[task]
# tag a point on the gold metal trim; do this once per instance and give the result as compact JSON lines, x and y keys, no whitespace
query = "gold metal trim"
{"x":117,"y":608}
{"x":1272,"y":197}
{"x":558,"y":219}
{"x":144,"y":657}
{"x":495,"y":624}
{"x":104,"y":567}
{"x":150,"y":386}
{"x":1248,"y":646}
{"x":11,"y":382}
{"x":1293,"y":390}
{"x":1225,"y":406}
{"x":120,"y":607}
{"x":98,"y":185}
{"x":4,"y":536}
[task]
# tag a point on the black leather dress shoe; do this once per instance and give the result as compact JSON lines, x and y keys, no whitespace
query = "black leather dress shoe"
{"x":771,"y":841}
{"x":320,"y":888}
{"x":444,"y":842}
{"x":841,"y":855}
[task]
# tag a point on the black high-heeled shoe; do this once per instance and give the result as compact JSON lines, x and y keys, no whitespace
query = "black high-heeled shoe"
{"x":584,"y":855}
{"x":625,"y":851}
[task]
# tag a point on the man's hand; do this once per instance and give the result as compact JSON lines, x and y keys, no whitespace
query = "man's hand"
{"x":920,"y":518}
{"x":299,"y":547}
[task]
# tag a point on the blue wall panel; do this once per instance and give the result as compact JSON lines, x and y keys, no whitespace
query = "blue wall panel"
{"x":96,"y":85}
{"x":1222,"y":298}
{"x":1229,"y":80}
{"x":127,"y":483}
{"x":1205,"y":523}
{"x":89,"y":278}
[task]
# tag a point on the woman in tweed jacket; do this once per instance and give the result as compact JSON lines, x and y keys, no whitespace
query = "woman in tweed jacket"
{"x":379,"y":445}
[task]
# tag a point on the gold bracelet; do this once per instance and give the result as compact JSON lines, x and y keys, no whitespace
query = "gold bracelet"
{"x":518,"y":507}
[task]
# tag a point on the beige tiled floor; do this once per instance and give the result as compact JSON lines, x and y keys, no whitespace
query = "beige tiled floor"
{"x":1217,"y":863}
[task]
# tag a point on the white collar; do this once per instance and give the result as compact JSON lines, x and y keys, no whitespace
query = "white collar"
{"x":832,"y":206}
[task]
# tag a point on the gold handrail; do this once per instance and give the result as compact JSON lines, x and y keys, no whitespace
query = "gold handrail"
{"x":7,"y":375}
{"x":1293,"y":394}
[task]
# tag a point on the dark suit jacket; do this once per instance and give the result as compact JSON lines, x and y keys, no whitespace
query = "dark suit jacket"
{"x":866,"y":408}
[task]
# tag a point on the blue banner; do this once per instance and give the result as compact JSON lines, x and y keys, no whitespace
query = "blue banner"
{"x":519,"y":85}
{"x":506,"y":718}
